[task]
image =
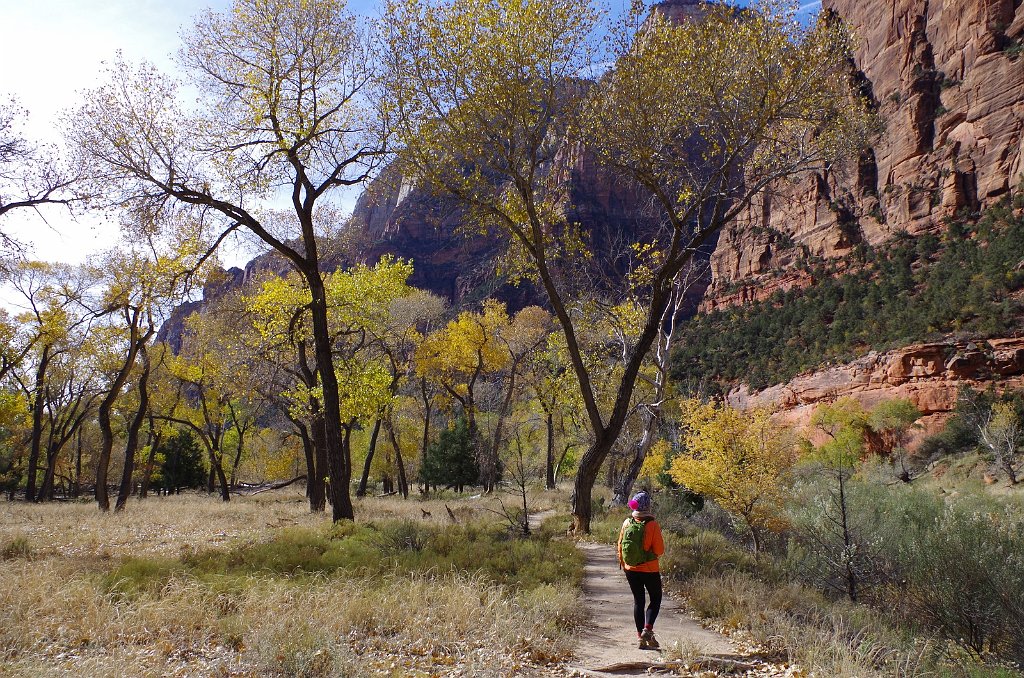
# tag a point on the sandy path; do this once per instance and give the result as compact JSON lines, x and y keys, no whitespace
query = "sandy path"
{"x":611,"y":639}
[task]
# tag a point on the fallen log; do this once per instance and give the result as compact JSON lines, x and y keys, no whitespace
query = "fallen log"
{"x":272,"y":486}
{"x":716,"y":663}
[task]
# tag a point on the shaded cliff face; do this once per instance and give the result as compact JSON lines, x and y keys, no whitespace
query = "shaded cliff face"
{"x":396,"y":217}
{"x":947,"y":77}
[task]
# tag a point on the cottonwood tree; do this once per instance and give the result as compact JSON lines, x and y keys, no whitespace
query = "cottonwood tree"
{"x":55,"y":325}
{"x":542,"y":380}
{"x":14,"y":418}
{"x":650,"y":407}
{"x":31,"y":175}
{"x":221,"y":327}
{"x":283,"y":90}
{"x":73,"y":386}
{"x":359,"y":303}
{"x":1002,"y":433}
{"x":526,"y":332}
{"x":159,"y":394}
{"x":458,"y":357}
{"x":403,"y":325}
{"x":140,"y":284}
{"x":287,"y":377}
{"x":207,"y":387}
{"x":739,"y":460}
{"x":702,"y":115}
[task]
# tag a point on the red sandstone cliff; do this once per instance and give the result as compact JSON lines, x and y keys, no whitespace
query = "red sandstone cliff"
{"x":929,"y":375}
{"x":948,"y":80}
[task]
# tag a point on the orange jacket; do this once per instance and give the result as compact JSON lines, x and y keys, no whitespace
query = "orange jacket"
{"x":652,"y":542}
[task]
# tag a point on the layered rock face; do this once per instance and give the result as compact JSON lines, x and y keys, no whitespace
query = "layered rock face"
{"x":929,"y":375}
{"x":393,"y":217}
{"x":947,"y":77}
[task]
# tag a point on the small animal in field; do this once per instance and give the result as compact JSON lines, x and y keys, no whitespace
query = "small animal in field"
{"x":426,"y":513}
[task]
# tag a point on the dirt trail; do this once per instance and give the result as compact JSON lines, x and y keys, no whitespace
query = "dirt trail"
{"x":609,"y":647}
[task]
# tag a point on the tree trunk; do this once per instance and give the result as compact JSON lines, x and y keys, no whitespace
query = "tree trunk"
{"x":427,"y":412}
{"x":506,"y":403}
{"x":318,"y":493}
{"x":46,"y":490}
{"x":316,"y":466}
{"x":132,"y":443}
{"x":225,"y":490}
{"x":339,"y":463}
{"x":216,"y":467}
{"x":238,"y":455}
{"x":365,"y":478}
{"x":37,"y":424}
{"x":76,"y":487}
{"x":586,"y":476}
{"x":147,"y":474}
{"x":403,"y":481}
{"x":624,"y":485}
{"x":308,"y":453}
{"x":107,"y":404}
{"x":561,"y":458}
{"x":549,"y":464}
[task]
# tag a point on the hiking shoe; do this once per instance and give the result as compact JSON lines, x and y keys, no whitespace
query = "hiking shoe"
{"x":648,"y":641}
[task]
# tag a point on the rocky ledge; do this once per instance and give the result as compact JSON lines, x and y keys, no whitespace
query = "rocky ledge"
{"x":929,"y":375}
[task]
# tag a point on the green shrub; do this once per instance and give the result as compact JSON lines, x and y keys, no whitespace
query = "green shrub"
{"x":368,"y":550}
{"x":954,"y":566}
{"x":135,"y":576}
{"x":16,"y":547}
{"x":703,"y":553}
{"x":797,"y":624}
{"x":957,"y":566}
{"x":823,"y":551}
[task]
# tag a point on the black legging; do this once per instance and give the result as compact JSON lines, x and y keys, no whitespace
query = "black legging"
{"x":638,"y":581}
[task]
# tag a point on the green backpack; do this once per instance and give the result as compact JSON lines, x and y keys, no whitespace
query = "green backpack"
{"x":633,"y":552}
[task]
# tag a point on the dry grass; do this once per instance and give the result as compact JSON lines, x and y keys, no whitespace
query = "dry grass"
{"x":60,"y":615}
{"x":827,"y":638}
{"x":166,"y":525}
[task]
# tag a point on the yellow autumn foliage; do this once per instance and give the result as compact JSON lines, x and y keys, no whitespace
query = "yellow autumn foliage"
{"x":654,"y":462}
{"x":740,"y":460}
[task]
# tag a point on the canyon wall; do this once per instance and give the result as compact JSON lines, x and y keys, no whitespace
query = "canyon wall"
{"x":929,"y":375}
{"x":396,"y":217}
{"x":947,"y":79}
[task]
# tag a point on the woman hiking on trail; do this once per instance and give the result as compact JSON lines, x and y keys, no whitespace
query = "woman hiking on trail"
{"x":639,"y":546}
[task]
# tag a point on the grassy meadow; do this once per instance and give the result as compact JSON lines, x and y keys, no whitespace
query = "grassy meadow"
{"x":188,"y":585}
